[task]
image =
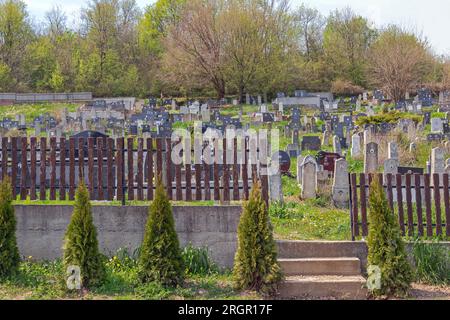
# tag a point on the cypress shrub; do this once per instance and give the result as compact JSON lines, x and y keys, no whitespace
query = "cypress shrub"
{"x":256,"y":266}
{"x":386,"y":247}
{"x":81,"y":244}
{"x":160,"y":258}
{"x":9,"y":253}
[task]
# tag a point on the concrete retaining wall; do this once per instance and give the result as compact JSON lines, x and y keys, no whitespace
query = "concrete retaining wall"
{"x":40,"y":229}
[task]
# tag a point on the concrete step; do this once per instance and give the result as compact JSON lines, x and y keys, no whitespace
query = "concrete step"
{"x":322,"y":249}
{"x":323,"y":287}
{"x":321,"y":266}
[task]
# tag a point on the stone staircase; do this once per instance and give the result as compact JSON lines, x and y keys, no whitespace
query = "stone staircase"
{"x":325,"y":270}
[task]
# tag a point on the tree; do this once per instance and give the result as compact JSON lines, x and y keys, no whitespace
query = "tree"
{"x":399,"y":61}
{"x":5,"y":77}
{"x":256,"y":266}
{"x":56,"y":22}
{"x":81,"y":244}
{"x":160,"y":259}
{"x":155,"y":23}
{"x":347,"y":38}
{"x":311,"y":24}
{"x":9,"y":253}
{"x":194,"y":48}
{"x":15,"y":34}
{"x":100,"y":26}
{"x":259,"y":44}
{"x":386,"y":249}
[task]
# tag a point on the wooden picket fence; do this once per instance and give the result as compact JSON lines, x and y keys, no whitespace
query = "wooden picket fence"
{"x":420,"y":202}
{"x":121,"y":169}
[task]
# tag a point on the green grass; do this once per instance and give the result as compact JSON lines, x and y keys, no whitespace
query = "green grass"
{"x":432,"y":263}
{"x":46,"y":281}
{"x":32,"y":111}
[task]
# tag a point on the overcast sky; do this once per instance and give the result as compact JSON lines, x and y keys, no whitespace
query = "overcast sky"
{"x":430,"y":17}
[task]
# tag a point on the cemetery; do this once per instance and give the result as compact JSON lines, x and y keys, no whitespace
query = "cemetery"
{"x":208,"y":181}
{"x":327,"y":160}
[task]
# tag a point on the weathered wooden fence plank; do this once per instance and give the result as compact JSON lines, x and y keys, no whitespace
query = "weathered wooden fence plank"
{"x":33,"y":161}
{"x":43,"y":167}
{"x":401,"y":217}
{"x":23,"y":171}
{"x":62,"y":169}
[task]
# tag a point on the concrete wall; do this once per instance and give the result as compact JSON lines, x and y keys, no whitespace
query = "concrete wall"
{"x":40,"y":229}
{"x":41,"y":97}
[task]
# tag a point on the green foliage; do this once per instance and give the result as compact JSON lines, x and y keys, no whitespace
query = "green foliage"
{"x":160,"y":258}
{"x":256,"y":266}
{"x":197,"y":261}
{"x":389,"y":117}
{"x":432,"y":262}
{"x":153,"y":26}
{"x":46,"y":281}
{"x":81,"y":244}
{"x":385,"y":245}
{"x":9,"y":253}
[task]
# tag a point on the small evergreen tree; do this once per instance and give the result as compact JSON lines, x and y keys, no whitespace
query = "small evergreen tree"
{"x":81,"y":244}
{"x":9,"y":253}
{"x":256,"y":266}
{"x":386,"y":247}
{"x":160,"y":259}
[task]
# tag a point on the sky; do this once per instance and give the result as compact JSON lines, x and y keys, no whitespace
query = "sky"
{"x":430,"y":17}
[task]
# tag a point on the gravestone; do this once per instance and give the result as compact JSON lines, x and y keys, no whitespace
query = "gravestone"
{"x":293,"y":150}
{"x":438,"y":161}
{"x":311,"y":143}
{"x":434,"y":137}
{"x":309,"y":182}
{"x":393,"y":151}
{"x":299,"y":169}
{"x":268,"y":117}
{"x":356,"y":146}
{"x":337,"y":145}
{"x":371,"y":158}
{"x":295,"y":137}
{"x":436,"y":125}
{"x":340,"y":190}
{"x":326,"y":138}
{"x":275,"y":188}
{"x":390,"y":166}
